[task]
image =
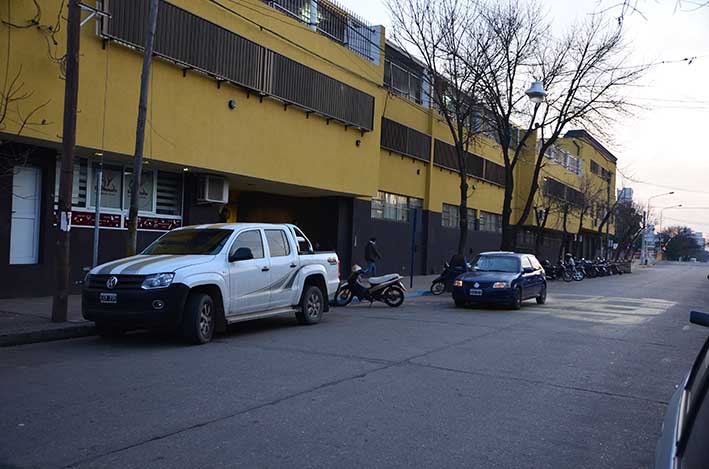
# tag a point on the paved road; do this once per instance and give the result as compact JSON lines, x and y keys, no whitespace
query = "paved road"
{"x":580,"y":382}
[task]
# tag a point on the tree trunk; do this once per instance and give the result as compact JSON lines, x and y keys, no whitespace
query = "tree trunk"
{"x":509,"y":231}
{"x":132,"y":244}
{"x":463,"y":213}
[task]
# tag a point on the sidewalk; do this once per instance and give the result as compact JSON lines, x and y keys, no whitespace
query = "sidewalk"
{"x":28,"y":320}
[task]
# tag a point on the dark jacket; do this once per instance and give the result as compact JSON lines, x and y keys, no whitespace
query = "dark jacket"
{"x":371,"y":253}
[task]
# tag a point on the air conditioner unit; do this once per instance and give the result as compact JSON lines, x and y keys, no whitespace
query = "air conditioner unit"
{"x":212,"y":190}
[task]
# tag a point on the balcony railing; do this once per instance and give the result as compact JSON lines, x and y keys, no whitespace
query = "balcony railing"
{"x":335,"y":22}
{"x":402,"y":82}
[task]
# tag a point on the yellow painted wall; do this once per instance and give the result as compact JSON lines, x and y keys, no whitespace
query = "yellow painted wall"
{"x":190,"y":122}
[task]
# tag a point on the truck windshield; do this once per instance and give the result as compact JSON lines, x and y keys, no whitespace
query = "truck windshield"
{"x":207,"y":241}
{"x":496,"y":264}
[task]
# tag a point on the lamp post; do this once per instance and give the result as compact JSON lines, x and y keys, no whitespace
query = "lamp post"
{"x":643,"y":251}
{"x":665,"y":208}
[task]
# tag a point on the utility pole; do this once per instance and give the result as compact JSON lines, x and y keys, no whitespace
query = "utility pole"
{"x":140,"y":129}
{"x":66,"y":175}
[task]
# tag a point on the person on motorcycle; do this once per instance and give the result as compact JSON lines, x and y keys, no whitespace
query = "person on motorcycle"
{"x":570,"y":260}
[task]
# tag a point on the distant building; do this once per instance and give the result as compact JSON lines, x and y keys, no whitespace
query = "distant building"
{"x":625,"y":195}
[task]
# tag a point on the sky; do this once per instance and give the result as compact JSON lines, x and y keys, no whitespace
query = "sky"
{"x":662,"y":147}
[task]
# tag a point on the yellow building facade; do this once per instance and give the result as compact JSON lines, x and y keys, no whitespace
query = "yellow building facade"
{"x":281,"y":111}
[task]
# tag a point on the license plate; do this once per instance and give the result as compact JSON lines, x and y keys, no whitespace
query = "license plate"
{"x":108,"y":298}
{"x":476,"y":292}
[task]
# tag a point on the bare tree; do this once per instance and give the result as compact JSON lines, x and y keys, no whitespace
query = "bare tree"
{"x":584,"y":74}
{"x":445,"y":36}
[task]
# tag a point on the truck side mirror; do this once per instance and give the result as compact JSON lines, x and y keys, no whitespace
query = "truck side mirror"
{"x":241,"y":254}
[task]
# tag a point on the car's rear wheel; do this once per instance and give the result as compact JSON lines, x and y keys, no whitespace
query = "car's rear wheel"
{"x":517,"y":301}
{"x":200,"y":318}
{"x":542,"y":297}
{"x":311,"y":306}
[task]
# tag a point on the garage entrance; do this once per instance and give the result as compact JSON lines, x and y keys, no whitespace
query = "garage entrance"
{"x":327,"y":221}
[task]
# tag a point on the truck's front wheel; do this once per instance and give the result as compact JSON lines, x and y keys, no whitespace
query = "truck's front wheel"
{"x":311,"y":306}
{"x":199,"y":319}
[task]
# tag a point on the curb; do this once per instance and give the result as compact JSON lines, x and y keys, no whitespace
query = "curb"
{"x":59,"y":332}
{"x":409,"y":294}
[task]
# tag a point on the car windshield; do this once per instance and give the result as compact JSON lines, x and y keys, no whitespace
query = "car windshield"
{"x":190,"y":241}
{"x":496,"y":264}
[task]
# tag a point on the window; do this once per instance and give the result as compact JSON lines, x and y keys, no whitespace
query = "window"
{"x":111,"y":186}
{"x":393,"y":206}
{"x":526,"y":263}
{"x":78,"y":192}
{"x":169,"y":194}
{"x":490,"y":222}
{"x":277,"y":243}
{"x":190,"y":241}
{"x":595,"y":169}
{"x":496,"y":264}
{"x":145,"y":192}
{"x":450,"y":216}
{"x":535,"y":263}
{"x":472,"y":219}
{"x":251,"y":240}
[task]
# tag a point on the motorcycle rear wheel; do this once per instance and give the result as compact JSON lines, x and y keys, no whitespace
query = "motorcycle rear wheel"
{"x":393,"y":296}
{"x":437,"y":288}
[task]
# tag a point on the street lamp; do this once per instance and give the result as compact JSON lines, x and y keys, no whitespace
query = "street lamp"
{"x":536,"y":93}
{"x":665,"y":208}
{"x":643,"y":252}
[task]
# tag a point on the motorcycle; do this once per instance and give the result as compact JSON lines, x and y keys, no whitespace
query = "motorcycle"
{"x":388,"y":289}
{"x":444,"y":282}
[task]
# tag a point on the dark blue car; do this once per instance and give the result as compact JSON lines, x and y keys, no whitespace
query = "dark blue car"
{"x":501,"y":278}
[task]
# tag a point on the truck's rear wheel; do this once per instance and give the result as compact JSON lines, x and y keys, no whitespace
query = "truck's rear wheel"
{"x":311,"y":306}
{"x":199,"y":318}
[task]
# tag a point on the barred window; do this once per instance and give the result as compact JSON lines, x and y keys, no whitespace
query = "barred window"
{"x":450,"y":216}
{"x":490,"y":222}
{"x":387,"y":206}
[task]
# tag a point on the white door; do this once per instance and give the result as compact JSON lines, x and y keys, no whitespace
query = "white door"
{"x":24,"y":224}
{"x":284,"y":266}
{"x":249,"y":279}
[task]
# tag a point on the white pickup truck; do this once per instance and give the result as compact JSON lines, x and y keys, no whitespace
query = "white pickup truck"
{"x":198,"y":279}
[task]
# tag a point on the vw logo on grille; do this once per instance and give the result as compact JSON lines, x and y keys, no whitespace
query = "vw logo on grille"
{"x":476,"y":285}
{"x":112,"y":282}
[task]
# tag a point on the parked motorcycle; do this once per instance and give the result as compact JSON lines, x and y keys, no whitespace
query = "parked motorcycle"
{"x":444,"y":282}
{"x":388,"y":289}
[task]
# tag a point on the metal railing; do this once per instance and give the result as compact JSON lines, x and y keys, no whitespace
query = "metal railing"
{"x":194,"y":43}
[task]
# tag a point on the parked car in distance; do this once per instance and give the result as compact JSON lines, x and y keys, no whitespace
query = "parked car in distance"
{"x":503,"y":278}
{"x":198,"y":279}
{"x":685,"y":431}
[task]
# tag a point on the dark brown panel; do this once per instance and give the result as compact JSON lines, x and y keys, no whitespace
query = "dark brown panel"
{"x":405,"y":140}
